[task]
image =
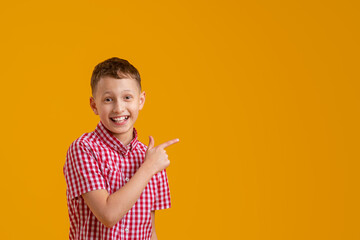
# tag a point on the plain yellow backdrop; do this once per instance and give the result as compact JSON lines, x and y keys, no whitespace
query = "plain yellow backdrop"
{"x":263,"y":95}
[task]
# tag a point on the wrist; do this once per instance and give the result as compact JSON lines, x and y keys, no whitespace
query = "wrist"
{"x":148,"y":169}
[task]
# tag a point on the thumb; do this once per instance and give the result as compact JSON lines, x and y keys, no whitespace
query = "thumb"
{"x":151,"y":142}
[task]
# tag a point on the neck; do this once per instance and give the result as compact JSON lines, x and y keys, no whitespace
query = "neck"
{"x":126,"y":138}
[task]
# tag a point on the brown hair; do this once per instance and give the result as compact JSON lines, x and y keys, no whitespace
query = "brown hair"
{"x":114,"y":67}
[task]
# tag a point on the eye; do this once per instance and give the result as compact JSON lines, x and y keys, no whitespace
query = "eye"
{"x":128,"y":97}
{"x":108,"y":99}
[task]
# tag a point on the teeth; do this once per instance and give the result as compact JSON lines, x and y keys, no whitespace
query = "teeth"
{"x":120,"y":118}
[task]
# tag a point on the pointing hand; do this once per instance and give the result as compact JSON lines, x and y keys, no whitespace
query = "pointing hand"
{"x":156,"y":157}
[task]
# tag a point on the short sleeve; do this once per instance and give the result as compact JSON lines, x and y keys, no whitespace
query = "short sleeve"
{"x":162,"y":199}
{"x":81,"y":170}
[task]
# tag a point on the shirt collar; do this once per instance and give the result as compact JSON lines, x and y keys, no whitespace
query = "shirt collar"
{"x":115,"y":143}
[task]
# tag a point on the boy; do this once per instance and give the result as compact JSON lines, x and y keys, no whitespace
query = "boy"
{"x":114,"y":182}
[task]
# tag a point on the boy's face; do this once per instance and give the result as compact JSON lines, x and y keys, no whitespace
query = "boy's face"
{"x":117,"y":102}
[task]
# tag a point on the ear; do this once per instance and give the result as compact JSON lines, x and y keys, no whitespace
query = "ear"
{"x":93,"y":105}
{"x":141,"y":100}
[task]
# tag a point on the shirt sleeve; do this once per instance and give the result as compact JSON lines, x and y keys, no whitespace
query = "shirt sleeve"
{"x":162,"y":199}
{"x":81,"y":170}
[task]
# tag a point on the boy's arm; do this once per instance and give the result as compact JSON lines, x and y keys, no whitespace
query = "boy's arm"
{"x":110,"y":208}
{"x":153,"y":236}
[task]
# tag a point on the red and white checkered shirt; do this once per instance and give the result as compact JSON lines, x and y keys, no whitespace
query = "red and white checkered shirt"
{"x":98,"y":160}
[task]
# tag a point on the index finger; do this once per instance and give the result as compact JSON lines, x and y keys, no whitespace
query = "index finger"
{"x":168,"y":143}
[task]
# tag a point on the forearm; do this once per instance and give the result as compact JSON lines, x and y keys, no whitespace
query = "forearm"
{"x":153,"y":233}
{"x":153,"y":236}
{"x":121,"y":201}
{"x":110,"y":208}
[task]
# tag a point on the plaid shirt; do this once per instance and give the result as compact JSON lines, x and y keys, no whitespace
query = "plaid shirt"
{"x":98,"y":160}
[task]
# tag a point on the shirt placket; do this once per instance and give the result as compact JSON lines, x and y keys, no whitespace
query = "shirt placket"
{"x":125,"y":168}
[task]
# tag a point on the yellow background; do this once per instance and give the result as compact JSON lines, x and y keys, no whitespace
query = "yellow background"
{"x":264,"y":96}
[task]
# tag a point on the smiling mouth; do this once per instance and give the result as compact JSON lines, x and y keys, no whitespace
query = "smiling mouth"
{"x":119,"y":119}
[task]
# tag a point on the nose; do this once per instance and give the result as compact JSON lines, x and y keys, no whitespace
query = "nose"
{"x":119,"y":107}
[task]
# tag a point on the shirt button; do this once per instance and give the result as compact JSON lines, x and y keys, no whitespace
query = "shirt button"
{"x":126,"y":230}
{"x":127,"y":179}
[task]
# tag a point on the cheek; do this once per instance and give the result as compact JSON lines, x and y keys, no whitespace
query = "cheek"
{"x":104,"y":109}
{"x":133,"y":110}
